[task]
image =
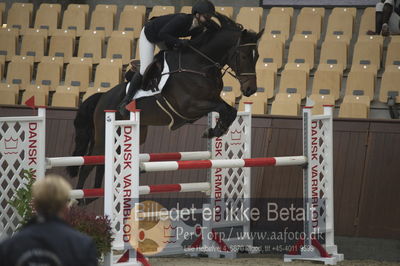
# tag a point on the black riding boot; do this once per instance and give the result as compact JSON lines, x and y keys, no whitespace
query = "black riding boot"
{"x":134,"y":86}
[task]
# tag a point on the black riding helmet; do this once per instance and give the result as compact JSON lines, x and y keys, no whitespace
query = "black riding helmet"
{"x":203,"y":7}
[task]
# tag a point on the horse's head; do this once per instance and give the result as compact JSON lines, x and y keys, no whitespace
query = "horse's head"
{"x":242,"y":59}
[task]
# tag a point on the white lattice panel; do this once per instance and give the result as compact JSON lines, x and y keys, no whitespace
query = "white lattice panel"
{"x":122,"y":182}
{"x":231,"y":186}
{"x":22,"y":143}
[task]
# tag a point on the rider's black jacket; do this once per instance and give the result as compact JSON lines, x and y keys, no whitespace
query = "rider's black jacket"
{"x":49,"y":242}
{"x":169,"y":28}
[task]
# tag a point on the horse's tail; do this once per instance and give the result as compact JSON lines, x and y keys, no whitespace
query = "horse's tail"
{"x":84,"y":129}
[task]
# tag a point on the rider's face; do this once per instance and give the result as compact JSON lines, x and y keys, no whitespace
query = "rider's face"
{"x":203,"y":18}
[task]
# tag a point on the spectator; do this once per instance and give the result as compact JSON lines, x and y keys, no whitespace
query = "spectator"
{"x":387,"y":18}
{"x":47,"y":239}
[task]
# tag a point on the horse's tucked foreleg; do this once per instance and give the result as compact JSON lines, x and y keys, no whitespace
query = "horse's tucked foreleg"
{"x":227,"y":114}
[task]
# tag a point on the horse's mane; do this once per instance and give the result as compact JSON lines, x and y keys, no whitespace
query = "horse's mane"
{"x":225,"y":23}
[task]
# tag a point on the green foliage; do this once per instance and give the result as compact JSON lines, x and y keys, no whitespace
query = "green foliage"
{"x":22,"y":198}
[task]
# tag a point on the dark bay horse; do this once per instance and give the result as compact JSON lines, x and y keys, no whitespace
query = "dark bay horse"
{"x":193,"y":90}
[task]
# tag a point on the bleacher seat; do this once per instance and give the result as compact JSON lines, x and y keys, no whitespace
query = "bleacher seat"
{"x":48,"y":17}
{"x":250,"y":17}
{"x":280,"y":10}
{"x":131,"y":20}
{"x":120,"y":48}
{"x":123,"y":34}
{"x":286,"y":104}
{"x":225,"y":10}
{"x":49,"y":74}
{"x":360,"y":83}
{"x":186,"y":10}
{"x":2,"y":12}
{"x":19,"y":16}
{"x":372,"y":38}
{"x":38,"y":88}
{"x":8,"y":93}
{"x":278,"y":24}
{"x":313,"y":10}
{"x":34,"y":45}
{"x":345,"y":10}
{"x":353,"y":110}
{"x":295,"y":66}
{"x":266,"y":82}
{"x":230,"y":83}
{"x":367,"y":53}
{"x":390,"y":84}
{"x":102,"y":19}
{"x":91,"y":46}
{"x":367,"y":21}
{"x":52,"y":59}
{"x":74,"y":19}
{"x":107,"y":76}
{"x":112,"y":8}
{"x":138,"y":8}
{"x":19,"y":71}
{"x":259,"y":104}
{"x":8,"y":42}
{"x":334,"y":53}
{"x":113,"y":62}
{"x":319,"y":101}
{"x":393,"y":54}
{"x":66,"y":96}
{"x":161,"y":10}
{"x":40,"y":97}
{"x":302,"y":52}
{"x":30,"y":31}
{"x":309,"y":24}
{"x":91,"y":90}
{"x":327,"y":83}
{"x":62,"y":46}
{"x":228,"y":96}
{"x":83,"y":60}
{"x":270,"y":52}
{"x":307,"y":38}
{"x":340,"y":24}
{"x":77,"y":75}
{"x":83,"y":7}
{"x":293,"y":81}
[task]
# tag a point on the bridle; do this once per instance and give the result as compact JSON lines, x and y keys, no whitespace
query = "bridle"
{"x":233,"y":54}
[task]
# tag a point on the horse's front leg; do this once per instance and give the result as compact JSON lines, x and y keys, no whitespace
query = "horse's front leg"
{"x":227,"y":114}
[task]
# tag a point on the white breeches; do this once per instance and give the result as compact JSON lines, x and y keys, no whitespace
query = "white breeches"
{"x":146,"y":51}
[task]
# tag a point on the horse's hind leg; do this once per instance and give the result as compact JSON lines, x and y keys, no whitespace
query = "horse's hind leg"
{"x":143,"y":133}
{"x":227,"y":114}
{"x":99,"y":176}
{"x":83,"y":174}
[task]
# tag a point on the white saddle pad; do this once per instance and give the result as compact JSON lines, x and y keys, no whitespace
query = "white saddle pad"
{"x":164,"y":77}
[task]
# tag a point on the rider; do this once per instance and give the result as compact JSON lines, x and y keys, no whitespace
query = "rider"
{"x":166,"y":30}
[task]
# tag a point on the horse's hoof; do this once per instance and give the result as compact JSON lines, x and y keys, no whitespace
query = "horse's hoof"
{"x":208,"y":133}
{"x":218,"y":132}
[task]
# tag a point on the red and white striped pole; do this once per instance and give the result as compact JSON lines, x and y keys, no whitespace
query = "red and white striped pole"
{"x":223,"y":163}
{"x":144,"y":190}
{"x":143,"y":157}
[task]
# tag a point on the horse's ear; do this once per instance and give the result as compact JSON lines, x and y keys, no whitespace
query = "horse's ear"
{"x":260,"y":34}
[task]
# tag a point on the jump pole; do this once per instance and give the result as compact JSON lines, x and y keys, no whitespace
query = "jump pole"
{"x":145,"y":190}
{"x":52,"y":162}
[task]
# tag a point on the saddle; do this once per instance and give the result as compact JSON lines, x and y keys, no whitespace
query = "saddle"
{"x":150,"y":82}
{"x":152,"y":75}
